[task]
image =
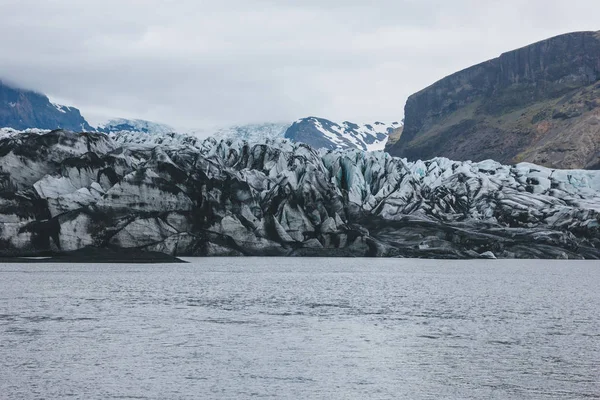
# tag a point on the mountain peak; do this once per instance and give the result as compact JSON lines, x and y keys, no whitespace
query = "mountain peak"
{"x":23,"y":109}
{"x":322,"y":133}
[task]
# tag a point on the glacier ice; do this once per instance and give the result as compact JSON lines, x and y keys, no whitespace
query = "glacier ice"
{"x":188,"y":196}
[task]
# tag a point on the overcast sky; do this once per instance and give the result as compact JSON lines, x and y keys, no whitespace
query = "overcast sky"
{"x":193,"y":63}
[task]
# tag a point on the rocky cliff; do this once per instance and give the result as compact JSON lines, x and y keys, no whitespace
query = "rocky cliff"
{"x":23,"y":109}
{"x":540,"y":103}
{"x":63,"y":191}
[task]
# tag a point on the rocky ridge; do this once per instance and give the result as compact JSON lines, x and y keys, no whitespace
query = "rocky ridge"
{"x":540,"y":104}
{"x":63,"y":191}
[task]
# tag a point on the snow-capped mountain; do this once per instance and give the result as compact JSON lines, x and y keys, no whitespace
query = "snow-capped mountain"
{"x":23,"y":109}
{"x":29,"y":110}
{"x":133,"y":125}
{"x":62,"y":191}
{"x":323,"y":133}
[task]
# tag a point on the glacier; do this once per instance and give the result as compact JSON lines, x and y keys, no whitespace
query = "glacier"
{"x":178,"y":194}
{"x":253,"y":133}
{"x":133,"y":125}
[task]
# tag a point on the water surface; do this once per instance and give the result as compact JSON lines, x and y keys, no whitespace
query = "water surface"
{"x":301,"y":329}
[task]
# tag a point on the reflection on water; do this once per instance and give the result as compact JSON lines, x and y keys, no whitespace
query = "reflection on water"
{"x":301,"y":328}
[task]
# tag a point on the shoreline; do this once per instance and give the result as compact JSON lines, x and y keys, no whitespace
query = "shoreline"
{"x":95,"y":256}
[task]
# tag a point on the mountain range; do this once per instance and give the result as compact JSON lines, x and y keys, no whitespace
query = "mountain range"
{"x":538,"y":104}
{"x":24,"y":109}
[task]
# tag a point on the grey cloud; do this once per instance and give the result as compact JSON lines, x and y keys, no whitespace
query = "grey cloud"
{"x":190,"y":63}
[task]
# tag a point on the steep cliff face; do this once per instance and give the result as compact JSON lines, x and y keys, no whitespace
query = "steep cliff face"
{"x":23,"y":109}
{"x":540,"y":103}
{"x":62,"y":191}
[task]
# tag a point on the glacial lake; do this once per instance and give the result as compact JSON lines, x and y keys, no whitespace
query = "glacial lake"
{"x":241,"y":328}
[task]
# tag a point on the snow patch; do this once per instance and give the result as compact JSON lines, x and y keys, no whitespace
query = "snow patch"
{"x":61,"y":108}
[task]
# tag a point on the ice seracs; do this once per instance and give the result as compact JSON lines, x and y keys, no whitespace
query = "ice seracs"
{"x":186,"y":196}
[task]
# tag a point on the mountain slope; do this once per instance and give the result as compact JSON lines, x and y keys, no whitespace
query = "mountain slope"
{"x":23,"y":109}
{"x":540,"y":103}
{"x":63,"y":191}
{"x":323,"y":133}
